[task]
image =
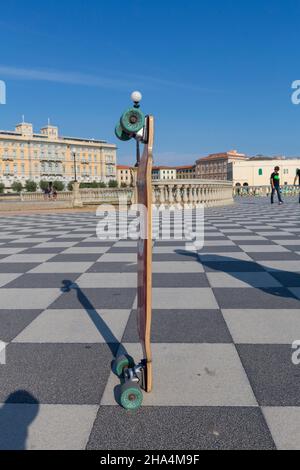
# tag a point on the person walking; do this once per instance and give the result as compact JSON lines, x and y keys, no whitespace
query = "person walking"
{"x":50,"y":190}
{"x":297,"y":177}
{"x":275,"y":183}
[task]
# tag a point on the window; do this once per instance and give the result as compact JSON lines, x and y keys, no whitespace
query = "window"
{"x":260,"y":172}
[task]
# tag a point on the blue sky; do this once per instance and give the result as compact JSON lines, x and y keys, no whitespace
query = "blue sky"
{"x":217,"y":75}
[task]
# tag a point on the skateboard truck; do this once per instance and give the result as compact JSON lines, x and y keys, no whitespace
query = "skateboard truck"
{"x":133,"y":381}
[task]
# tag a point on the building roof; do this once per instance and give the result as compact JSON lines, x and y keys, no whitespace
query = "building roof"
{"x":261,"y":158}
{"x":60,"y":139}
{"x":185,"y":167}
{"x":223,"y":155}
{"x":164,"y":168}
{"x":124,"y":167}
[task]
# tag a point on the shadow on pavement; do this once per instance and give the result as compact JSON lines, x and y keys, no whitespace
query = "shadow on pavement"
{"x":236,"y":268}
{"x":116,"y":348}
{"x":18,"y":412}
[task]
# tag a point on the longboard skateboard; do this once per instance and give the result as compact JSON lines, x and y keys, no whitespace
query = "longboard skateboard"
{"x":138,"y":377}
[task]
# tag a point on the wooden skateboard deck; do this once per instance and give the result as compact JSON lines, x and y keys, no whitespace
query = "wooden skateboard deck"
{"x":144,"y":310}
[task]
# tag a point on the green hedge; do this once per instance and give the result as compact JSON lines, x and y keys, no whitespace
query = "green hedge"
{"x":17,"y":187}
{"x":31,"y":186}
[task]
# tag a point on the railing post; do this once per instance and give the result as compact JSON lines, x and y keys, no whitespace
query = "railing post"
{"x":178,"y":196}
{"x":185,"y":197}
{"x":77,"y":201}
{"x":161,"y":197}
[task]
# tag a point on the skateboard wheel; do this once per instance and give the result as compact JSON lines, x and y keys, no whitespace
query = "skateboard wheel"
{"x":121,"y":134}
{"x":132,"y":121}
{"x":121,"y":363}
{"x":131,"y":396}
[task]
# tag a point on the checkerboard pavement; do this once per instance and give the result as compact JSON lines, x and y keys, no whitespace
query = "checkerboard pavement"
{"x":224,"y":320}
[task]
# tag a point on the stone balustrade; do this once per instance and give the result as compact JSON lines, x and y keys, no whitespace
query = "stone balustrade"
{"x":191,"y":193}
{"x":166,"y":195}
{"x":38,"y":197}
{"x":263,"y":191}
{"x":106,"y":195}
{"x":86,"y":196}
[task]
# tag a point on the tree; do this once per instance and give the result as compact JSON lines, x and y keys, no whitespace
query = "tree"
{"x":113,"y":184}
{"x":70,"y":185}
{"x":30,"y":186}
{"x":2,"y":188}
{"x":17,"y":187}
{"x":43,"y":185}
{"x":58,"y":185}
{"x":102,"y":185}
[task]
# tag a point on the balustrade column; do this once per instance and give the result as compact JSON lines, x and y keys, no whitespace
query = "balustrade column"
{"x":161,"y":197}
{"x":185,"y":195}
{"x":154,"y":197}
{"x":191,"y":198}
{"x":170,"y":196}
{"x":178,"y":196}
{"x":195,"y":198}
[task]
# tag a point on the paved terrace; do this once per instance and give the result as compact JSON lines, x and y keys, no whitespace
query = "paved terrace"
{"x":223,"y":324}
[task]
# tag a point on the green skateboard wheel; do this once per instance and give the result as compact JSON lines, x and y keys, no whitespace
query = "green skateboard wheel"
{"x":121,"y":363}
{"x":132,"y":121}
{"x":131,"y":396}
{"x":121,"y":134}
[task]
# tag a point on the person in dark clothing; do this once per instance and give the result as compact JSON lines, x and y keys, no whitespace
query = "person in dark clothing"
{"x":275,"y":183}
{"x":297,"y":177}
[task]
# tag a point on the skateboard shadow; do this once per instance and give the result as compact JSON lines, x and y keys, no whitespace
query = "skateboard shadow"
{"x":237,"y":268}
{"x":115,"y":346}
{"x":16,"y":415}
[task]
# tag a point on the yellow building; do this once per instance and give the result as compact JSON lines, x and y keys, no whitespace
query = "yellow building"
{"x":125,"y":175}
{"x":257,"y":171}
{"x":25,"y":155}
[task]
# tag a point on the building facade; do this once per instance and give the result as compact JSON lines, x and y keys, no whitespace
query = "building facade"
{"x":257,"y":172}
{"x":125,"y":175}
{"x":164,"y":173}
{"x":217,"y":166}
{"x":26,"y":155}
{"x":186,"y":172}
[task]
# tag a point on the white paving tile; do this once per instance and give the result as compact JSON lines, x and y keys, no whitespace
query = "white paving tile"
{"x":262,"y":326}
{"x":27,"y":299}
{"x":59,"y":267}
{"x":28,"y":258}
{"x":284,"y":424}
{"x":184,"y":298}
{"x":45,"y":427}
{"x":6,"y":278}
{"x":76,"y":326}
{"x":192,"y":375}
